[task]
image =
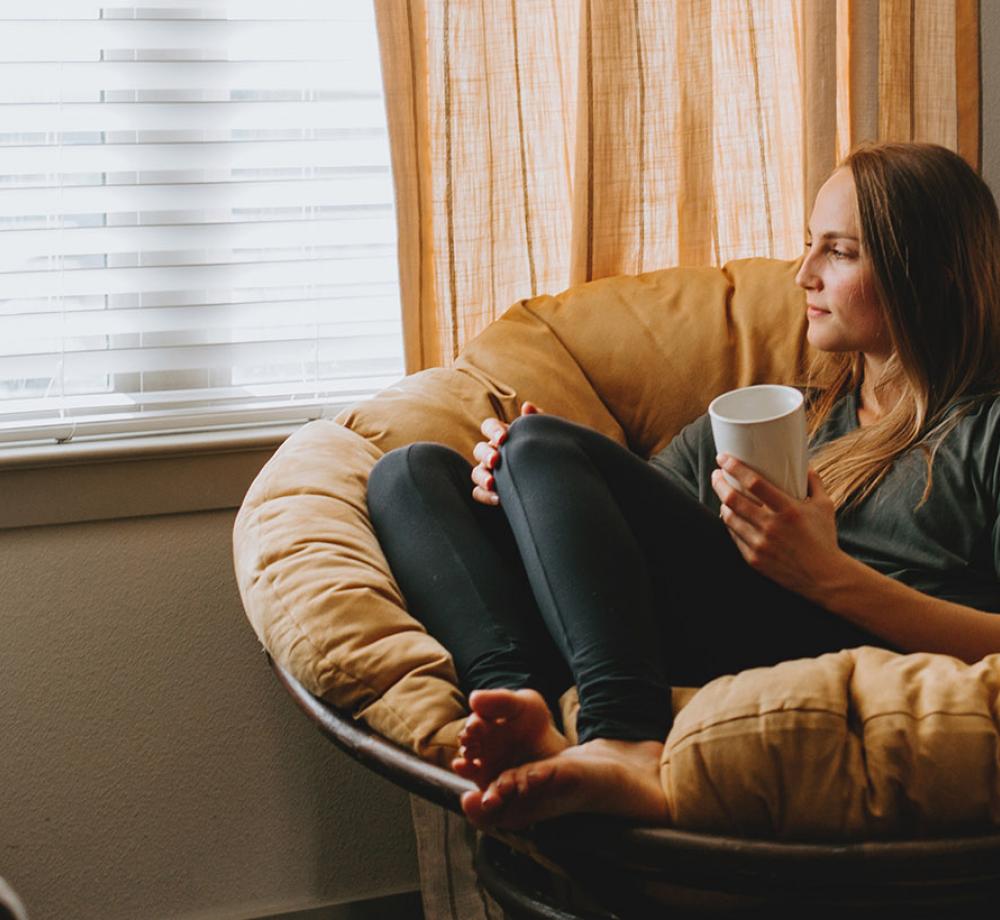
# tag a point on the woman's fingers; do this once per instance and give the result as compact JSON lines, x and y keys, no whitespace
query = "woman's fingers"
{"x":486,"y":454}
{"x":485,"y":497}
{"x":494,"y":431}
{"x":752,"y":483}
{"x":483,"y":477}
{"x":731,"y":497}
{"x":484,"y":491}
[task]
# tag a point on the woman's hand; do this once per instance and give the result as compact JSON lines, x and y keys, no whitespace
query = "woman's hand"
{"x":794,"y":543}
{"x":487,"y":453}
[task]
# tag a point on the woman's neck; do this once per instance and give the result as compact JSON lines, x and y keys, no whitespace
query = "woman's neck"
{"x":873,"y":405}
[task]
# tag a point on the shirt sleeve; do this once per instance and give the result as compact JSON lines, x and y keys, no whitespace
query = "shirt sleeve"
{"x":689,"y":459}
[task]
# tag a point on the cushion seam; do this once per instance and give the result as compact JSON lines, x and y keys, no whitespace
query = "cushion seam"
{"x":840,"y":715}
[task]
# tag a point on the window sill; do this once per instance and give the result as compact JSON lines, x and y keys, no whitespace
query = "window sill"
{"x":132,"y":477}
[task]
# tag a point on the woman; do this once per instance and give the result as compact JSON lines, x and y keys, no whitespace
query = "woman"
{"x":625,"y":577}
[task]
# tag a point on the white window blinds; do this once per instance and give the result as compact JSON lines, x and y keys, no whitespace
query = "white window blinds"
{"x":196,"y":224}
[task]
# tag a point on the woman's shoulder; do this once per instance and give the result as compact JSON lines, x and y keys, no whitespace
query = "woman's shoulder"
{"x":978,"y":409}
{"x":970,"y":443}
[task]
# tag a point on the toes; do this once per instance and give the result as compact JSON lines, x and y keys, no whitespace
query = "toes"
{"x":473,"y":731}
{"x":474,"y":725}
{"x":472,"y":770}
{"x":506,"y":784}
{"x":481,"y":807}
{"x":494,"y":705}
{"x":491,"y":800}
{"x":470,"y":755}
{"x":537,"y":776}
{"x":472,"y":806}
{"x":521,"y":781}
{"x":513,"y":800}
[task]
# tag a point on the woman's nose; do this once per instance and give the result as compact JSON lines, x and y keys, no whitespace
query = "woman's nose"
{"x":805,"y":277}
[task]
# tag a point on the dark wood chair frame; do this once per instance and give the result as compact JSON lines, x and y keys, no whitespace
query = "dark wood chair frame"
{"x":586,"y":867}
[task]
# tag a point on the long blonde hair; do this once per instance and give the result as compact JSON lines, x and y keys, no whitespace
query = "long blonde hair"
{"x":931,"y":232}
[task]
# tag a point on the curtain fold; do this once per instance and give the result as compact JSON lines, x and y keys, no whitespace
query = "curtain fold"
{"x":541,"y":143}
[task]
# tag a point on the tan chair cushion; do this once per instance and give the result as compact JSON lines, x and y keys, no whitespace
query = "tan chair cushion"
{"x":861,"y":743}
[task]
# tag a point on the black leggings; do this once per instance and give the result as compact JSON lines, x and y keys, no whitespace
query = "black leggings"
{"x":596,"y":570}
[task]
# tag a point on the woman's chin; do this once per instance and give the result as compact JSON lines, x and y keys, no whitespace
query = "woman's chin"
{"x":821,"y":340}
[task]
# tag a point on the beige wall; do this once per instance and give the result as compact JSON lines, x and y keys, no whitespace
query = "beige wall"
{"x":151,"y":766}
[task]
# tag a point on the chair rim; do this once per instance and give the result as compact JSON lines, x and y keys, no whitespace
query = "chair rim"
{"x":645,"y":849}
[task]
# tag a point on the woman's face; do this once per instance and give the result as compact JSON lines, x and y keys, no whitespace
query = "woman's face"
{"x":843,"y":311}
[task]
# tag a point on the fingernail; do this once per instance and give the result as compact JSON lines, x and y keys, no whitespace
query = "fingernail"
{"x":491,"y":484}
{"x":722,"y":459}
{"x":495,"y":499}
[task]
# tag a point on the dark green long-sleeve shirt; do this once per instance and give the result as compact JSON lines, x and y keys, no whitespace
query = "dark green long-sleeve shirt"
{"x":949,"y":547}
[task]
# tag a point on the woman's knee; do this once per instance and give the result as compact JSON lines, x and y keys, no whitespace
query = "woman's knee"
{"x":534,"y":436}
{"x":407,"y":471}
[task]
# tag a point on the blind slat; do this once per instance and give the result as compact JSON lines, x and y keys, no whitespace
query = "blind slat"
{"x":359,"y":189}
{"x":26,"y":411}
{"x":138,"y":321}
{"x":150,"y":280}
{"x":87,"y":40}
{"x":233,"y":155}
{"x":297,"y":352}
{"x":142,"y":116}
{"x":51,"y":82}
{"x":188,"y":9}
{"x":22,"y":245}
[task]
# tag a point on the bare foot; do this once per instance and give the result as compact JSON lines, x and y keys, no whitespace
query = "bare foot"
{"x":602,"y":777}
{"x":506,"y":728}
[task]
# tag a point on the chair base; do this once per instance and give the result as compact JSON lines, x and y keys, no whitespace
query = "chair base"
{"x":527,"y":891}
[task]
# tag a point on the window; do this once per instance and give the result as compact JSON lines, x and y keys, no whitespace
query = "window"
{"x":196,"y":219}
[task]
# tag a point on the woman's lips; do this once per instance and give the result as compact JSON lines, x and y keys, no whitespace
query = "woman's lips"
{"x":816,"y":311}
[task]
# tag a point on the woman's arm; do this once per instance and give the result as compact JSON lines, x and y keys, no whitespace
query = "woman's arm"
{"x":795,"y":544}
{"x":908,"y":618}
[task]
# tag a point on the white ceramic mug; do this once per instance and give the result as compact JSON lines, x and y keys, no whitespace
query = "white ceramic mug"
{"x":765,"y":427}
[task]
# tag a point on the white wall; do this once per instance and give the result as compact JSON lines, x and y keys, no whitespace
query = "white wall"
{"x":151,"y":764}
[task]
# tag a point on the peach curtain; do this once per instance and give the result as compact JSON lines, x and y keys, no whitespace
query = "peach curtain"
{"x":541,"y":143}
